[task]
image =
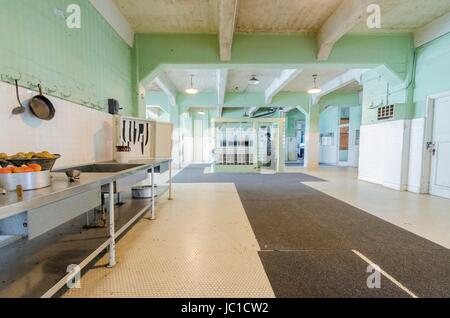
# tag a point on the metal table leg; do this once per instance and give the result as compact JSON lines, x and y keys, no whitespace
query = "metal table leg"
{"x":153,"y":214}
{"x":112,"y":232}
{"x":170,"y":180}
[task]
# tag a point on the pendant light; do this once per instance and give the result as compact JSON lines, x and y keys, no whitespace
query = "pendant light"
{"x":253,"y":80}
{"x":316,"y":89}
{"x":191,"y":90}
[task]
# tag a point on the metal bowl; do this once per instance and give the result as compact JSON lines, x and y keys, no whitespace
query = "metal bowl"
{"x":28,"y":180}
{"x":46,"y":164}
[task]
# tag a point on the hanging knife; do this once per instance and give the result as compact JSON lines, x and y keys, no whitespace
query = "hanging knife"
{"x":129,"y":134}
{"x":124,"y":123}
{"x":135,"y":132}
{"x":146,"y":135}
{"x":141,"y":132}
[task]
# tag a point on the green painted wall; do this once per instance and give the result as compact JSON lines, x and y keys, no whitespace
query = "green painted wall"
{"x":291,"y":122}
{"x":271,"y":50}
{"x":90,"y":64}
{"x":340,"y":98}
{"x":432,"y":72}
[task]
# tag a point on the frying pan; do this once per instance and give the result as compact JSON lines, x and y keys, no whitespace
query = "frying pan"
{"x":41,"y":106}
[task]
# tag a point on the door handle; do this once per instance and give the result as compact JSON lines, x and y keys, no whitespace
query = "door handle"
{"x":431,"y":147}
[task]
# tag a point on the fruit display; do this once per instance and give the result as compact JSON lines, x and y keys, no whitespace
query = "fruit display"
{"x":28,"y":155}
{"x":45,"y":160}
{"x":22,"y":169}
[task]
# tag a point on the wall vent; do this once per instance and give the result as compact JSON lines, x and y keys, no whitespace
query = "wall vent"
{"x":385,"y":112}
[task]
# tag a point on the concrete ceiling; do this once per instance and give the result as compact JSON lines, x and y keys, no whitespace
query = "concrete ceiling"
{"x":205,"y":80}
{"x":304,"y":81}
{"x":238,"y":80}
{"x":351,"y":88}
{"x":284,"y":16}
{"x":405,"y":15}
{"x":273,"y":16}
{"x":170,"y":16}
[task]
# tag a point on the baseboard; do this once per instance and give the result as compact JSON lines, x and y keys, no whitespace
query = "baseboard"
{"x":371,"y":180}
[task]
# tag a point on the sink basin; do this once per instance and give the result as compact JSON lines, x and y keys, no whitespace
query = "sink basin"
{"x":103,"y":167}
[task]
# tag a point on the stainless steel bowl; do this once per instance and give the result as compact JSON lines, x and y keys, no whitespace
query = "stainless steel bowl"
{"x":28,"y":180}
{"x":143,"y":192}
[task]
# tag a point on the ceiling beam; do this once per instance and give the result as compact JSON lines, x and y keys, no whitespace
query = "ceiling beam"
{"x":112,"y":14}
{"x":339,"y":82}
{"x":279,"y":83}
{"x":432,"y":30}
{"x":345,"y":17}
{"x":227,"y":22}
{"x":167,"y":87}
{"x":222,"y":76}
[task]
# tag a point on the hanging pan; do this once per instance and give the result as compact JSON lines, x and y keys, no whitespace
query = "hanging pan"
{"x":41,"y":106}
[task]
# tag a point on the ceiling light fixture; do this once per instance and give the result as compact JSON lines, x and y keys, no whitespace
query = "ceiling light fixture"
{"x":253,"y":80}
{"x":316,"y":89}
{"x":201,"y":113}
{"x":191,"y":90}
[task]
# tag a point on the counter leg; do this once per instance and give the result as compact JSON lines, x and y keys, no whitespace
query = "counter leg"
{"x":170,"y":180}
{"x":153,"y":214}
{"x":112,"y":232}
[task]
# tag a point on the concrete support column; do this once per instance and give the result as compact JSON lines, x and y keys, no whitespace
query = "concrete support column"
{"x":312,"y":137}
{"x":174,"y":114}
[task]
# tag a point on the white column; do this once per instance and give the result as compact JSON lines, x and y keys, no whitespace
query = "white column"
{"x":312,"y":137}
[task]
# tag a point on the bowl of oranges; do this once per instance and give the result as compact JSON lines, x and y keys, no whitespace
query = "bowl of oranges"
{"x":26,"y":173}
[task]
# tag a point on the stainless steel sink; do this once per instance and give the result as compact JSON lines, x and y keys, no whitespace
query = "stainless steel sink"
{"x":102,"y":168}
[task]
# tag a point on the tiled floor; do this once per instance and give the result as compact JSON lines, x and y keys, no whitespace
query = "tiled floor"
{"x":202,"y":244}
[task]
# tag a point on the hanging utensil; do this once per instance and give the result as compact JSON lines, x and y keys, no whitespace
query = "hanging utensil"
{"x":146,"y":135}
{"x":41,"y":106}
{"x":19,"y":109}
{"x":134,"y":132}
{"x":124,"y":129}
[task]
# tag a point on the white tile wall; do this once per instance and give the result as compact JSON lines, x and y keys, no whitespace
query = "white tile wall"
{"x":79,"y":134}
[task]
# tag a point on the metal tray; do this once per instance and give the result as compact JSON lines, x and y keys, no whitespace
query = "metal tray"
{"x":28,"y":180}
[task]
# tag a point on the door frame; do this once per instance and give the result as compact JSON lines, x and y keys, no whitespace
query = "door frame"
{"x":428,"y":137}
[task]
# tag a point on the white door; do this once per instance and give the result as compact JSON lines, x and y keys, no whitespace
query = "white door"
{"x":198,"y":140}
{"x":440,"y":178}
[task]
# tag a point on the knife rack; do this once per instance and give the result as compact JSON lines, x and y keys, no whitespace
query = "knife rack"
{"x":158,"y":144}
{"x":135,"y":133}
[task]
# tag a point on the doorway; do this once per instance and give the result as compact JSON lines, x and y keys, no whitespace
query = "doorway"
{"x":440,"y":149}
{"x":198,"y":140}
{"x":344,"y":136}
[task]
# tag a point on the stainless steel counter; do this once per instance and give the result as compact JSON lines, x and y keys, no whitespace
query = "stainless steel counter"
{"x":61,"y":188}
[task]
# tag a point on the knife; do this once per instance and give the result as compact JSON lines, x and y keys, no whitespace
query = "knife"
{"x":135,"y":132}
{"x":129,"y":135}
{"x":141,"y":132}
{"x":142,"y":143}
{"x":146,"y":137}
{"x":124,"y":123}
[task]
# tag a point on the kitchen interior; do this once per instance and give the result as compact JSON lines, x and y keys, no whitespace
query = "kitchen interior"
{"x":281,"y":127}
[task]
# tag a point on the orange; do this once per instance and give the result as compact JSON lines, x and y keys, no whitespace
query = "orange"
{"x":5,"y":170}
{"x":36,"y":167}
{"x":22,"y":169}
